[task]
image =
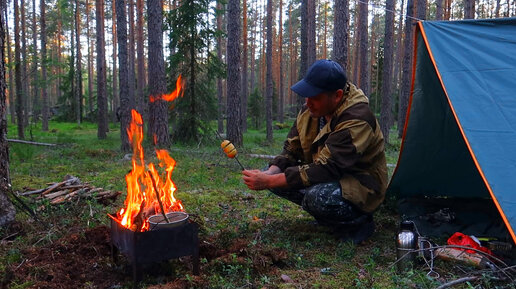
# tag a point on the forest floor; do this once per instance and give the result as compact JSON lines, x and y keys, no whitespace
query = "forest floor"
{"x":247,"y":239}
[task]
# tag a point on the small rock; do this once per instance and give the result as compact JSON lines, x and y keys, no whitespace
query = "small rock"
{"x":286,"y":278}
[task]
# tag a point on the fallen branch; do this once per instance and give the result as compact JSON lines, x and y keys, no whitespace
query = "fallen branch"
{"x":33,"y":192}
{"x":57,"y":194}
{"x":267,"y":157}
{"x":458,"y":281}
{"x":68,"y":182}
{"x":31,"y":142}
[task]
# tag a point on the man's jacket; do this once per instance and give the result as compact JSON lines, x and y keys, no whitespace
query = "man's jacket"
{"x":349,"y":148}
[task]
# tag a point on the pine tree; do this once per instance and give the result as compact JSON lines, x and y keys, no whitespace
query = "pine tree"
{"x":220,"y":91}
{"x":406,"y":68}
{"x":158,"y":110}
{"x":78,"y":65}
{"x":90,"y":58}
{"x":388,"y":49}
{"x":44,"y":95}
{"x":340,"y":32}
{"x":363,"y":80}
{"x":18,"y":72}
{"x":34,"y":68}
{"x":190,"y":35}
{"x":268,"y":89}
{"x":140,"y":86}
{"x":234,"y":126}
{"x":7,"y":211}
{"x":102,"y":118}
{"x":126,"y":103}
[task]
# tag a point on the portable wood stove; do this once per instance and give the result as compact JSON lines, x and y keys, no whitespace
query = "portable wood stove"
{"x":155,"y":245}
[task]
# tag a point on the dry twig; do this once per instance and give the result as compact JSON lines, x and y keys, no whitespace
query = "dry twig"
{"x":458,"y":281}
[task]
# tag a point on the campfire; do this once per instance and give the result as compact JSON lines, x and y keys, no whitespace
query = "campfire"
{"x":148,"y":192}
{"x":152,"y":226}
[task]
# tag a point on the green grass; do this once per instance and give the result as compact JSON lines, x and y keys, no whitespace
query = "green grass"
{"x":279,"y":238}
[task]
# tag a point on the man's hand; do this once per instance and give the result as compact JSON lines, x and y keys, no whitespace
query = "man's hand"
{"x":258,"y":180}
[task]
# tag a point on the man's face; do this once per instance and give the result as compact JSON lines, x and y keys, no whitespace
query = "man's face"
{"x":324,"y":104}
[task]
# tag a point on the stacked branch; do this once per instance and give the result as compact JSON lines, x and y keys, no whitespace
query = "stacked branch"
{"x":71,"y":188}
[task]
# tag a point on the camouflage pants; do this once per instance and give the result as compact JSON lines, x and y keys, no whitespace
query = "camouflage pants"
{"x":325,"y":203}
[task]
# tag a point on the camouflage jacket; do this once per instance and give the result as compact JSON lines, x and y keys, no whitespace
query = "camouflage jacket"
{"x":349,"y":148}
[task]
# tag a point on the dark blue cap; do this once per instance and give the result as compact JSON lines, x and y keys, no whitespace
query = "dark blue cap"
{"x":323,"y":75}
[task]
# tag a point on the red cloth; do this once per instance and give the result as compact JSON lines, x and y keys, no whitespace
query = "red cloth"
{"x":466,"y":241}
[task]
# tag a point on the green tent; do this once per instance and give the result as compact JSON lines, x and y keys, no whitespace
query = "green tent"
{"x":457,"y":165}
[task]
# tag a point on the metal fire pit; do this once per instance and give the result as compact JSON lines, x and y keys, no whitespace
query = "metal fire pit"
{"x":154,"y":246}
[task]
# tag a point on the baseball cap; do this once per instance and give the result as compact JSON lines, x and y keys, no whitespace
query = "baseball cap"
{"x":323,"y":75}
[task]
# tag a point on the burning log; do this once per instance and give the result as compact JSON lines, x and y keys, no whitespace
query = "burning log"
{"x":71,"y":189}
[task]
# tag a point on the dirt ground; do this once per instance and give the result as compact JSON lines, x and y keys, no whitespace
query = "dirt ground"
{"x":82,"y":259}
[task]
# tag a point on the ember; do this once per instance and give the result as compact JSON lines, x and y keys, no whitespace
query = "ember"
{"x":144,"y":183}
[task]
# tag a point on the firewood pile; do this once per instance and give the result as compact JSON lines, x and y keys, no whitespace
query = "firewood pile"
{"x":71,"y":188}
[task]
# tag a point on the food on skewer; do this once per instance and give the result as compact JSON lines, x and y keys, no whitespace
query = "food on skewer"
{"x":229,"y":148}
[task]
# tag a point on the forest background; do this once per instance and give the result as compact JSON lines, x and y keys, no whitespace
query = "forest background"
{"x":65,"y":59}
{"x":73,"y":70}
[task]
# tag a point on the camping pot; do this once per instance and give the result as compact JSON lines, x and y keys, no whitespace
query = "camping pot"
{"x":175,"y":219}
{"x":406,"y":243}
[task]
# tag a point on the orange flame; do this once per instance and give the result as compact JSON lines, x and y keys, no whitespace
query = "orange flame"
{"x":178,"y":92}
{"x":141,"y":201}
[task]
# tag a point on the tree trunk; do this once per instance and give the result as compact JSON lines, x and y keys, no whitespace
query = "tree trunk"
{"x":268,"y":88}
{"x":397,"y":63}
{"x":497,"y":9}
{"x":253,"y":47}
{"x":292,"y":55}
{"x":72,"y":70}
{"x":310,"y":30}
{"x":102,"y":117}
{"x":371,"y":69}
{"x":115,"y":105}
{"x":469,"y":9}
{"x":25,"y":74}
{"x":7,"y":211}
{"x":439,"y":9}
{"x":262,"y":53}
{"x":303,"y":66}
{"x":126,"y":103}
{"x":158,"y":112}
{"x":131,"y":68}
{"x":11,"y":74}
{"x":78,"y":65}
{"x":233,"y":82}
{"x":245,"y":91}
{"x":421,"y":9}
{"x":34,"y":69}
{"x":220,"y":114}
{"x":385,"y":115}
{"x":281,"y":79}
{"x":363,"y":81}
{"x":447,"y":13}
{"x":59,"y":55}
{"x":355,"y":45}
{"x":44,"y":96}
{"x":141,"y":59}
{"x":406,"y":68}
{"x":90,"y":59}
{"x":18,"y":72}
